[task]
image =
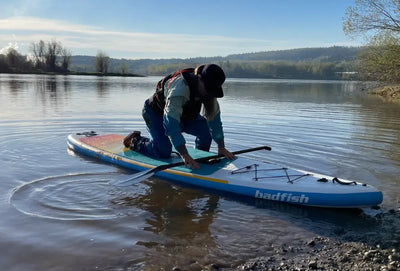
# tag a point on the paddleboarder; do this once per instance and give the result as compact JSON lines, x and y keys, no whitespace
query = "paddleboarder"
{"x":175,"y":108}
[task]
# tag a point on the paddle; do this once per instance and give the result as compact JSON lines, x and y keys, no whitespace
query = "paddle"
{"x":138,"y":177}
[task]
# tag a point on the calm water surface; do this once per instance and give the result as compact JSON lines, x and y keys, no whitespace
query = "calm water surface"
{"x":58,"y":211}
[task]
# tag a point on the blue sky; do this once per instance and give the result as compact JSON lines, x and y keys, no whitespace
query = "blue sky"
{"x":173,"y":28}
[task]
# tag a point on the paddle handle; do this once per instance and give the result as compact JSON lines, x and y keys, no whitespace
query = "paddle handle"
{"x":252,"y":149}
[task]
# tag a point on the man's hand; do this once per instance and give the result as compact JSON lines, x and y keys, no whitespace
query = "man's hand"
{"x":226,"y":153}
{"x":189,"y":161}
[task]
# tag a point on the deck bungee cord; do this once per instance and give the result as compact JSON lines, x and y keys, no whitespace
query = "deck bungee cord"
{"x":257,"y":177}
{"x":254,"y":168}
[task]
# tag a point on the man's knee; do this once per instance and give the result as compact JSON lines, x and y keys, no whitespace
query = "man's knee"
{"x":203,"y":142}
{"x":164,"y":151}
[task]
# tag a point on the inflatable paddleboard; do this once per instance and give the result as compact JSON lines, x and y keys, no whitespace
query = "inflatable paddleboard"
{"x":244,"y":176}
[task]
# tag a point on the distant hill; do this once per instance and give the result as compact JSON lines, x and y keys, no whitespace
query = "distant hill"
{"x":330,"y":54}
{"x":313,"y":63}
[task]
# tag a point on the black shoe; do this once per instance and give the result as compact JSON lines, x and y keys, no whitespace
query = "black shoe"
{"x":131,"y":139}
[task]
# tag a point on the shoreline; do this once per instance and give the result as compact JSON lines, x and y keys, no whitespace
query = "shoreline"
{"x":376,"y":249}
{"x":389,"y":93}
{"x":79,"y":73}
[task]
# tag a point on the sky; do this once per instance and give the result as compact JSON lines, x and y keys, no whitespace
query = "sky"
{"x":135,"y":29}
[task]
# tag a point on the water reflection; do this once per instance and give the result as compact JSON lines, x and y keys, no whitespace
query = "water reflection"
{"x":181,"y":217}
{"x":50,"y":89}
{"x":52,"y":84}
{"x":177,"y":212}
{"x":102,"y":86}
{"x":15,"y":85}
{"x":297,"y":91}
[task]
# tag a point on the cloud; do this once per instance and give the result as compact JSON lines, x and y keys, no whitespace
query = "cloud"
{"x":85,"y":39}
{"x":45,"y":25}
{"x":88,"y":38}
{"x":10,"y":45}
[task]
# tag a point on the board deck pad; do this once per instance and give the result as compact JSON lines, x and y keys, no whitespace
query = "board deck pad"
{"x":113,"y":143}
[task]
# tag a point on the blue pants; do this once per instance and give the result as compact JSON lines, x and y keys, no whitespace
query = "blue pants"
{"x":159,"y":145}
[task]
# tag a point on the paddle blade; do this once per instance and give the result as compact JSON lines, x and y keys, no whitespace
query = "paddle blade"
{"x":132,"y":179}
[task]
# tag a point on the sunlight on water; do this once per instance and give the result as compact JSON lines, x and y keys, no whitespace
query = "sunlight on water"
{"x":59,"y":211}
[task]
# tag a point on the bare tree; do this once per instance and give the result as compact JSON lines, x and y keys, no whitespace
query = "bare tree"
{"x":101,"y":62}
{"x":123,"y":68}
{"x":66,"y":59}
{"x":38,"y":50}
{"x":372,"y":15}
{"x":52,"y":51}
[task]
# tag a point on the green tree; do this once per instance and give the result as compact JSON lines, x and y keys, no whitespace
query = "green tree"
{"x":379,"y":20}
{"x":380,"y":60}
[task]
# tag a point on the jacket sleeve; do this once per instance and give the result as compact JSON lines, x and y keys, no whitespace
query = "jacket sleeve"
{"x":177,"y":94}
{"x":172,"y":126}
{"x":213,"y":115}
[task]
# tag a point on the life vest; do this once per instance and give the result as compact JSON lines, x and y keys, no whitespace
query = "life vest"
{"x":191,"y":109}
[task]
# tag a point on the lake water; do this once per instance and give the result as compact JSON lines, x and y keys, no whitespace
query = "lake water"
{"x":58,"y":211}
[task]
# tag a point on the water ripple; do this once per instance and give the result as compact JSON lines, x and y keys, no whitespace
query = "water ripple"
{"x":82,"y":196}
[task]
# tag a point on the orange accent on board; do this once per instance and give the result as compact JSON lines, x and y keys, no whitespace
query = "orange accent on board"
{"x":112,"y":143}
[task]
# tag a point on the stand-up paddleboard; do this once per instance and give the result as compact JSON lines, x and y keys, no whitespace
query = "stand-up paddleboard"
{"x":243,"y":176}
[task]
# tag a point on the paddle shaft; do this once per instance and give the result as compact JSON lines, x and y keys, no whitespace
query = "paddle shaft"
{"x":147,"y":174}
{"x":202,"y":159}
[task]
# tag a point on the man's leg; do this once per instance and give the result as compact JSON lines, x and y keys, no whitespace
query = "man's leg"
{"x":158,"y":145}
{"x":200,"y":129}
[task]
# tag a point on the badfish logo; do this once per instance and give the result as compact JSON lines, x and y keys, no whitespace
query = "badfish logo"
{"x":285,"y":197}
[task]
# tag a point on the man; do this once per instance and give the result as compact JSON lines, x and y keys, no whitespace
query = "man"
{"x":175,"y":108}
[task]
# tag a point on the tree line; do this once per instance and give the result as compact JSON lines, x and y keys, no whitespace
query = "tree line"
{"x":53,"y":57}
{"x":46,"y":57}
{"x":271,"y":69}
{"x":306,"y":63}
{"x":335,"y":62}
